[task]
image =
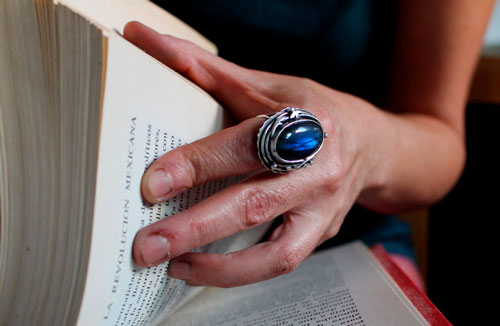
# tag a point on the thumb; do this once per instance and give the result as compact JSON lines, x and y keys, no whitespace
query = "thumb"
{"x":237,"y":88}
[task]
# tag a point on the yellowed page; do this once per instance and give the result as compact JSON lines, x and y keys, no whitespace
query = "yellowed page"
{"x":341,"y":286}
{"x":114,"y":14}
{"x":148,"y":110}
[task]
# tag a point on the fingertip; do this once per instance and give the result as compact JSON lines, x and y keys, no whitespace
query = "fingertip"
{"x":192,"y":267}
{"x":150,"y":249}
{"x":136,"y":32}
{"x":146,"y":196}
{"x":132,"y":30}
{"x":136,"y":250}
{"x":156,"y":185}
{"x":180,"y":269}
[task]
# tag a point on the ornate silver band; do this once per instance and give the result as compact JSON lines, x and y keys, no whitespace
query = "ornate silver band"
{"x":289,"y":139}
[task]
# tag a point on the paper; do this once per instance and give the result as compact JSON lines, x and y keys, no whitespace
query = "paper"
{"x":343,"y":286}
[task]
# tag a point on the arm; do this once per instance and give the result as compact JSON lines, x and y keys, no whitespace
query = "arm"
{"x":384,"y":160}
{"x":437,"y":49}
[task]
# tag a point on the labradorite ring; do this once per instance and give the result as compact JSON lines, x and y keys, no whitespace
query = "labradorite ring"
{"x":289,"y":139}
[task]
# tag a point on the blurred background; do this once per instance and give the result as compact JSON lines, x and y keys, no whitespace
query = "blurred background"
{"x":463,"y":235}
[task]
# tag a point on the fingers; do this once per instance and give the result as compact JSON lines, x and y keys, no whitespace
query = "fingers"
{"x":232,"y":151}
{"x":237,"y":208}
{"x":295,"y":242}
{"x":235,"y":87}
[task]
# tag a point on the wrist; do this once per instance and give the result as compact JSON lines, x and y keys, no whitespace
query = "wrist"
{"x":358,"y":127}
{"x":417,"y":160}
{"x":370,"y":126}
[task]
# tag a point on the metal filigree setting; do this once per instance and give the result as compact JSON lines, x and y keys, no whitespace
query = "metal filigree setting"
{"x":289,"y":139}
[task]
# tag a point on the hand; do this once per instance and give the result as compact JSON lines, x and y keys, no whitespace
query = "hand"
{"x":313,"y":201}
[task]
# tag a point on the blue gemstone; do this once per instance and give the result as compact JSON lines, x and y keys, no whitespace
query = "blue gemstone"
{"x":299,"y":140}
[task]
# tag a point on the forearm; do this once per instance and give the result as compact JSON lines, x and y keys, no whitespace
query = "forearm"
{"x":419,"y":149}
{"x":416,"y":160}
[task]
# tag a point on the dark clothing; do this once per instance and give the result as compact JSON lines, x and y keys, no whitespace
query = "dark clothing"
{"x":344,"y":44}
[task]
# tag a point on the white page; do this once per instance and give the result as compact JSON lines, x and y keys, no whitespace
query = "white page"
{"x":342,"y":286}
{"x":114,"y":14}
{"x":148,"y":110}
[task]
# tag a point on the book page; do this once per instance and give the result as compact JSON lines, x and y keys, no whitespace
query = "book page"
{"x":340,"y":286}
{"x":148,"y":110}
{"x":114,"y":14}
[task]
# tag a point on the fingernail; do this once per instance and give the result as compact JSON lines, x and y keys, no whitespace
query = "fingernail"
{"x":155,"y":249}
{"x":180,"y":270}
{"x":159,"y":183}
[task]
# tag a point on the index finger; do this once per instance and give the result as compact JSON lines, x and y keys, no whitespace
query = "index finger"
{"x":229,"y":152}
{"x":239,"y":89}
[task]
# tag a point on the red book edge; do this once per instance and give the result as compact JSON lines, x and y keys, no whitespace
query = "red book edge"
{"x":412,"y":292}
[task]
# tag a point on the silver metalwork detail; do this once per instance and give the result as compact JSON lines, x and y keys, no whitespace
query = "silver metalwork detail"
{"x":270,"y":131}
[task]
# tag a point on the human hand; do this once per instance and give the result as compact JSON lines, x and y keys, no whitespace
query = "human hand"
{"x":313,"y":201}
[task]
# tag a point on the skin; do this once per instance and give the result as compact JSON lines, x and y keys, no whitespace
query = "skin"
{"x":408,"y":154}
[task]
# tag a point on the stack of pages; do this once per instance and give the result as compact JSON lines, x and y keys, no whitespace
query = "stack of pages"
{"x":83,"y":113}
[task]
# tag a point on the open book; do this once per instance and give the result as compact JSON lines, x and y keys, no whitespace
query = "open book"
{"x":82,"y":114}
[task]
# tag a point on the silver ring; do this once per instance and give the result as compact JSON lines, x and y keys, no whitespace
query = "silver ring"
{"x":289,"y":139}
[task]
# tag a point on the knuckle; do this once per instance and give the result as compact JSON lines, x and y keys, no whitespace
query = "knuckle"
{"x":258,"y":206}
{"x":334,"y":176}
{"x":288,"y":260}
{"x":327,"y":121}
{"x":332,"y":231}
{"x":305,"y":83}
{"x":330,"y":183}
{"x":183,"y":56}
{"x":196,"y":232}
{"x":187,"y":52}
{"x":302,"y":83}
{"x":186,"y":46}
{"x":308,"y":90}
{"x":334,"y":182}
{"x":194,"y":66}
{"x":193,"y":164}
